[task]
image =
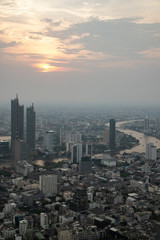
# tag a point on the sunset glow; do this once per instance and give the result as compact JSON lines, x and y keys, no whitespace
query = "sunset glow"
{"x":46,"y":68}
{"x":90,"y":46}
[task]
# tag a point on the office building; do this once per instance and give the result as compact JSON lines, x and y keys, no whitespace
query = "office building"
{"x":106,"y":137}
{"x":30,"y":131}
{"x":19,"y":151}
{"x":23,"y":227}
{"x":87,"y":149}
{"x":80,"y":200}
{"x":85,"y":165}
{"x":17,"y":120}
{"x":76,"y":153}
{"x":49,"y":141}
{"x":112,"y":134}
{"x":4,"y":146}
{"x":48,"y":184}
{"x":64,"y":234}
{"x":146,"y":125}
{"x":75,"y":137}
{"x":151,"y":152}
{"x":24,"y":168}
{"x":44,"y":221}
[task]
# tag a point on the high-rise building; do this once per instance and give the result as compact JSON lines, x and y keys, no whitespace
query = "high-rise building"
{"x":48,"y":184}
{"x":44,"y":220}
{"x":146,"y":125}
{"x":80,"y":200}
{"x":19,"y":151}
{"x":4,"y":146}
{"x":31,"y":122}
{"x":106,"y":137}
{"x":88,"y":147}
{"x":49,"y":141}
{"x":85,"y":165}
{"x":151,"y":152}
{"x":76,"y":153}
{"x":17,"y":120}
{"x":112,"y":134}
{"x":23,"y":227}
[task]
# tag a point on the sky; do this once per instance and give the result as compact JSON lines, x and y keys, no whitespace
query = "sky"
{"x":89,"y":51}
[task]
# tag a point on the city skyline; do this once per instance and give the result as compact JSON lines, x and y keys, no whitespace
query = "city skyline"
{"x":80,"y":52}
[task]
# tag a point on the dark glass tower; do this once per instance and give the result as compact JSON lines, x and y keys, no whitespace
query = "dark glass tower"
{"x":17,"y":120}
{"x":31,"y":122}
{"x":112,"y":134}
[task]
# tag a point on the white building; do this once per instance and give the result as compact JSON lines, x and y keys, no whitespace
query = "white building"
{"x":69,"y":146}
{"x":24,"y":168}
{"x":8,"y":232}
{"x":151,"y":152}
{"x":48,"y":184}
{"x":44,"y":220}
{"x":88,"y":147}
{"x":23,"y":227}
{"x":49,"y":141}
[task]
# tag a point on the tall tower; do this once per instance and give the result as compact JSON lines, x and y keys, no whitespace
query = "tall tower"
{"x":49,"y":141}
{"x":146,"y":125}
{"x":76,"y":153}
{"x":17,"y":120}
{"x":112,"y":134}
{"x":151,"y":152}
{"x":31,"y":122}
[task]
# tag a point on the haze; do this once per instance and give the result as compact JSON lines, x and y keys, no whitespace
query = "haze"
{"x":80,"y":52}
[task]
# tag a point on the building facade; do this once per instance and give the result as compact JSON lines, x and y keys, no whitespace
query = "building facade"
{"x":49,"y":141}
{"x":48,"y":184}
{"x":17,"y":120}
{"x":31,"y":126}
{"x":112,"y":134}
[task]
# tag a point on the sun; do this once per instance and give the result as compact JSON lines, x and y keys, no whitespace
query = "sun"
{"x":46,"y":67}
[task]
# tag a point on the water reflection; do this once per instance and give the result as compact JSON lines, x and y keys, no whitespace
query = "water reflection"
{"x":143,"y":139}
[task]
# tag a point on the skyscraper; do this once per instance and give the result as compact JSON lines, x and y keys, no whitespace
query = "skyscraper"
{"x":146,"y":125}
{"x":49,"y":140}
{"x":31,"y":122}
{"x":76,"y":153}
{"x":17,"y":120}
{"x":112,"y":134}
{"x":151,"y":152}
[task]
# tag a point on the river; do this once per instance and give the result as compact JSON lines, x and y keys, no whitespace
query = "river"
{"x":141,"y":148}
{"x":143,"y":138}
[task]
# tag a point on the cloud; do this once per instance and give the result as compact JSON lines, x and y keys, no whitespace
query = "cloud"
{"x":122,"y":37}
{"x":153,"y":53}
{"x":48,"y":20}
{"x":5,"y":45}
